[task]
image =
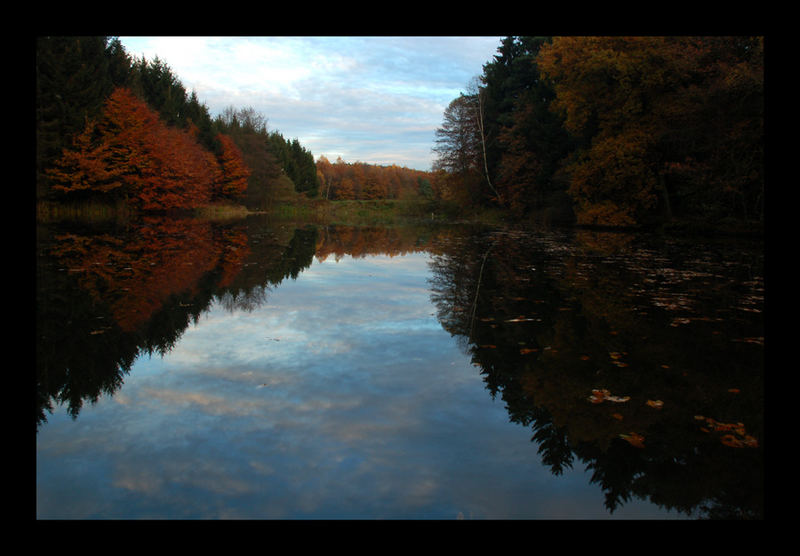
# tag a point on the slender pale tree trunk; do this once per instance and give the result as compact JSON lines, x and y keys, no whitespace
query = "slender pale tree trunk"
{"x":477,"y":290}
{"x":483,"y":142}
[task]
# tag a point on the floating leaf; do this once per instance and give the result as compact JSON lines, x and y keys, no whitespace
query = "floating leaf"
{"x":488,"y":346}
{"x":525,"y":351}
{"x":736,"y":435}
{"x":759,"y":340}
{"x":616,"y":356}
{"x":633,"y":439}
{"x":522,"y":318}
{"x":657,"y":404}
{"x":617,"y":416}
{"x":745,"y":441}
{"x":596,"y":397}
{"x":601,"y":395}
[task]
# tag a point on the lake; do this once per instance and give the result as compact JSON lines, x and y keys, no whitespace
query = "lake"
{"x":262,"y":370}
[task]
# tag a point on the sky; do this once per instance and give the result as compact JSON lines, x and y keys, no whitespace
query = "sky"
{"x":369,"y":99}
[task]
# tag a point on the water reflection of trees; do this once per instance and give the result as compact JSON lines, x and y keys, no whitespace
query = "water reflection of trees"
{"x":676,"y":331}
{"x":360,"y":241}
{"x":107,"y":296}
{"x":548,"y":318}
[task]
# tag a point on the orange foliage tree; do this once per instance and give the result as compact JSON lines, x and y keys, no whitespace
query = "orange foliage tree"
{"x":232,"y":180}
{"x":605,"y":87}
{"x":130,"y":153}
{"x":136,"y":275}
{"x":661,"y":121}
{"x":359,"y":180}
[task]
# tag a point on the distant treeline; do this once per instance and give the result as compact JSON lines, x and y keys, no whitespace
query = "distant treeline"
{"x":341,"y":180}
{"x":611,"y":130}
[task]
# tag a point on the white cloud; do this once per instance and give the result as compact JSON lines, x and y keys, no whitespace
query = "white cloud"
{"x":372,"y":99}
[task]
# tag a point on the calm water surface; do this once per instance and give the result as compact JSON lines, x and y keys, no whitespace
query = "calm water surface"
{"x":247,"y":370}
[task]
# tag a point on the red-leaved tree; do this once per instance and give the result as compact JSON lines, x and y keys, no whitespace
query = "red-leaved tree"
{"x":232,"y":179}
{"x":130,"y":153}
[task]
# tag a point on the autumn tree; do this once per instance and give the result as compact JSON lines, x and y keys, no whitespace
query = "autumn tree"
{"x":359,"y":180}
{"x":74,"y":76}
{"x":155,"y":82}
{"x":126,"y":128}
{"x":130,"y":153}
{"x":659,"y":119}
{"x":714,"y":144}
{"x":525,"y":141}
{"x":232,"y":179}
{"x":267,"y":181}
{"x":324,"y":176}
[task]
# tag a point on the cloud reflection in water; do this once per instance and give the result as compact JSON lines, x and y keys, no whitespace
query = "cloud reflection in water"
{"x":340,"y":397}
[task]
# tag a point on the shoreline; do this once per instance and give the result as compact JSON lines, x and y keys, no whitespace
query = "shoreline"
{"x":381,"y":212}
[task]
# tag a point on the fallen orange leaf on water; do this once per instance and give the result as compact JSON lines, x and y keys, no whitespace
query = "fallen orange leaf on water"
{"x":595,"y":398}
{"x":521,"y":318}
{"x":746,"y":441}
{"x":736,"y":435}
{"x":525,"y":351}
{"x":601,"y":395}
{"x":633,"y":439}
{"x":657,"y":404}
{"x":615,"y":358}
{"x":617,"y":416}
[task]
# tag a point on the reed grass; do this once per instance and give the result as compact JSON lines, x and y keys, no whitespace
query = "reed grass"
{"x":87,"y":211}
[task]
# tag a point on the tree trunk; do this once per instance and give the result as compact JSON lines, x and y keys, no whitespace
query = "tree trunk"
{"x":483,"y":145}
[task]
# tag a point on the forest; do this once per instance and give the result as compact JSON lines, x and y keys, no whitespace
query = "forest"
{"x":115,"y":129}
{"x":612,"y":131}
{"x":594,"y":131}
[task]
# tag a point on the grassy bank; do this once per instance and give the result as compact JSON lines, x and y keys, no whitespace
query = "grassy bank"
{"x":87,"y":211}
{"x":382,"y":212}
{"x":90,"y":211}
{"x":379,"y":212}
